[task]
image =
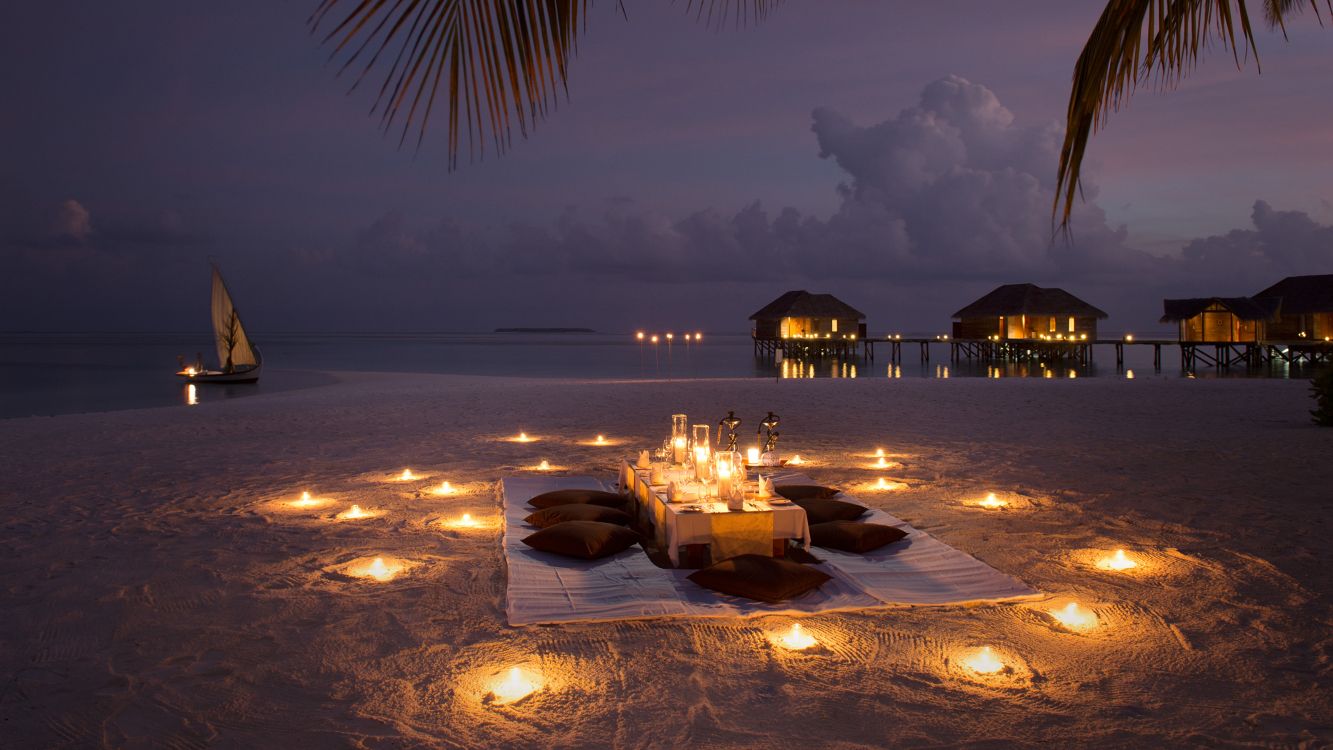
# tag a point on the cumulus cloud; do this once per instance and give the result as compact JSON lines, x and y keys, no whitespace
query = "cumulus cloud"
{"x":1282,"y":243}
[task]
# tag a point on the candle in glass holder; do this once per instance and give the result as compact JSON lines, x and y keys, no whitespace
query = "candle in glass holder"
{"x":752,"y":456}
{"x":679,"y":438}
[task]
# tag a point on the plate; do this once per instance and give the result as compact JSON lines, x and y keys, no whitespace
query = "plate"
{"x":779,"y":501}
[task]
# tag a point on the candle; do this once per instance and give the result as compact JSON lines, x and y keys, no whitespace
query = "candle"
{"x":444,"y":489}
{"x":355,"y":512}
{"x":378,"y":569}
{"x":407,"y":475}
{"x":879,"y":453}
{"x":795,"y":460}
{"x":516,"y":686}
{"x":1074,"y":617}
{"x":678,"y":450}
{"x":1117,"y":562}
{"x":992,"y":501}
{"x":544,"y":466}
{"x":723,"y":477}
{"x":752,"y":456}
{"x":797,"y":639}
{"x":984,"y":662}
{"x":601,"y":440}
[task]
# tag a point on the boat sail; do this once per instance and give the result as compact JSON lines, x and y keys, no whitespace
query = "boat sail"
{"x":239,"y":360}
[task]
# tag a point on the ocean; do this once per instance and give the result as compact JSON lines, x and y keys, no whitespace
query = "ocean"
{"x":45,"y":374}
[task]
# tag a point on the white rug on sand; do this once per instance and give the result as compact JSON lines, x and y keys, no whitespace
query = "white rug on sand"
{"x":547,"y":588}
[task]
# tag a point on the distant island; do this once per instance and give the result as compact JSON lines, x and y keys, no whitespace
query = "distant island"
{"x":544,"y":330}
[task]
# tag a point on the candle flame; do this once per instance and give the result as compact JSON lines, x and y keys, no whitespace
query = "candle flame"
{"x":355,"y":512}
{"x":1118,"y":561}
{"x":306,"y":501}
{"x":601,"y":440}
{"x":879,"y":453}
{"x":797,"y":639}
{"x":378,"y":569}
{"x":544,"y":466}
{"x":992,"y":501}
{"x":514,"y":687}
{"x":444,"y":489}
{"x":407,"y":475}
{"x":881,"y":463}
{"x":984,"y":661}
{"x":1074,"y":617}
{"x":795,"y":460}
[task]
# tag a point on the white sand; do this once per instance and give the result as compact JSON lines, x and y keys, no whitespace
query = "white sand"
{"x":157,"y":593}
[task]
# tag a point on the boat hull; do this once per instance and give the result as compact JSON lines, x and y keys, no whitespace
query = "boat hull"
{"x":246,"y":375}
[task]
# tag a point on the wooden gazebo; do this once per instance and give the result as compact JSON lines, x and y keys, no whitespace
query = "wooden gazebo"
{"x":1026,"y":312}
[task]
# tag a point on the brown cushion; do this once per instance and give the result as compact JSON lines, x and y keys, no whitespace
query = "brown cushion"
{"x":587,"y":540}
{"x":577,"y":512}
{"x":766,"y":579}
{"x":577,"y":497}
{"x":796,"y":492}
{"x":823,"y":511}
{"x":851,"y":536}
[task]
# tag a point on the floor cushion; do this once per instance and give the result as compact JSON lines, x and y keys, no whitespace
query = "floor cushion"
{"x":577,"y":497}
{"x":805,"y":491}
{"x":759,"y":577}
{"x":578,"y":512}
{"x":586,"y":540}
{"x":822,"y":511}
{"x":850,"y":536}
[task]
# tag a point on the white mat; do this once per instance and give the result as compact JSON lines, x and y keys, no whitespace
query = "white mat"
{"x":547,"y":588}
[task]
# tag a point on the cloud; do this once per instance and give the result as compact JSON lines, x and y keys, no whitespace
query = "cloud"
{"x":1282,"y":243}
{"x":73,"y":222}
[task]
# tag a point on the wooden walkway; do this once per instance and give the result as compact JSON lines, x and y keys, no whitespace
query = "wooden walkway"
{"x":1217,"y":355}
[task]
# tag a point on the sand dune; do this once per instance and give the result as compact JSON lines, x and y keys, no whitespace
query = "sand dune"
{"x":159,"y":590}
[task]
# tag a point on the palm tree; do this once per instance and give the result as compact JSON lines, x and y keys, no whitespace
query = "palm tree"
{"x":1120,"y":53}
{"x":500,"y":63}
{"x":503,"y":63}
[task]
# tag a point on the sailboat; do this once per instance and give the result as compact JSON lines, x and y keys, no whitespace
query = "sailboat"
{"x":239,"y":360}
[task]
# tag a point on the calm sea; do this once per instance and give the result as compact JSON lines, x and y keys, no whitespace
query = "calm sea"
{"x":62,"y":373}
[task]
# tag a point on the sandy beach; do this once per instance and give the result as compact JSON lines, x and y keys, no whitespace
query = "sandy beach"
{"x":160,"y":591}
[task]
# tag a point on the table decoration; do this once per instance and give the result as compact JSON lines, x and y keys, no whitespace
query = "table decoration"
{"x":679,"y":437}
{"x":730,"y":423}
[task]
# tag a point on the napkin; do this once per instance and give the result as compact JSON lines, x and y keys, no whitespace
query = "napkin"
{"x":671,"y":492}
{"x":765,"y":486}
{"x":645,"y":461}
{"x":658,"y":475}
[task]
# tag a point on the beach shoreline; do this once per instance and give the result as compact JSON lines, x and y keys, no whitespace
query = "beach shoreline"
{"x":159,"y":587}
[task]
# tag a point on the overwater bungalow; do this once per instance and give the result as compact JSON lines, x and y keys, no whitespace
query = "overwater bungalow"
{"x":800,"y":314}
{"x":1306,"y":312}
{"x":1026,"y":312}
{"x":1216,"y":320}
{"x":804,"y":325}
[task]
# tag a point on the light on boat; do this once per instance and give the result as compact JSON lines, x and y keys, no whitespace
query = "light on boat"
{"x":601,"y":440}
{"x":191,"y":394}
{"x":984,"y":661}
{"x":444,"y":489}
{"x":1074,"y":617}
{"x":354,"y":512}
{"x":797,"y":639}
{"x":544,"y":466}
{"x":992,"y":501}
{"x":407,"y":475}
{"x":1118,"y":561}
{"x":795,"y":460}
{"x":514,"y":687}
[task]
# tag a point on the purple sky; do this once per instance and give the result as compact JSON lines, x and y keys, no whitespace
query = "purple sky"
{"x":682,"y":184}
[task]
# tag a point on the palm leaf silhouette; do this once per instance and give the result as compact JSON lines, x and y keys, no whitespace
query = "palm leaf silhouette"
{"x":501,"y":65}
{"x":1137,"y":39}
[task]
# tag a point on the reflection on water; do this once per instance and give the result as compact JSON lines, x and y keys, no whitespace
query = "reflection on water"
{"x":42,"y":374}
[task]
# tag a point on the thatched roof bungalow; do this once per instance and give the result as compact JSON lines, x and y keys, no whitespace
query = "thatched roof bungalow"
{"x":1222,"y":319}
{"x":1027,"y":312}
{"x":1307,"y":308}
{"x":800,"y":314}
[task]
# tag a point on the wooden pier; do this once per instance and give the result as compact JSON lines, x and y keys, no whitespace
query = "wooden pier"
{"x":1219,"y":356}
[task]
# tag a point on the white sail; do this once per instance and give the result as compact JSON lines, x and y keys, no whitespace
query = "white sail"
{"x":233,"y":345}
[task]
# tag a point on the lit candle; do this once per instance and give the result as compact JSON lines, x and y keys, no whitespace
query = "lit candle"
{"x":992,"y":501}
{"x":984,"y":661}
{"x":678,"y":450}
{"x":1118,"y":561}
{"x":444,"y":489}
{"x":378,"y":569}
{"x":306,"y":501}
{"x":882,"y":484}
{"x":466,"y":520}
{"x":879,"y":453}
{"x":797,"y":639}
{"x":407,"y":475}
{"x":601,"y":440}
{"x":544,"y":466}
{"x":523,"y":438}
{"x":795,"y":460}
{"x":1074,"y":617}
{"x":355,"y":512}
{"x":724,"y":475}
{"x":752,"y":456}
{"x":881,"y":463}
{"x":514,"y":687}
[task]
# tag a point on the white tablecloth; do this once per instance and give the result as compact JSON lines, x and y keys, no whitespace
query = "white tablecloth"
{"x":729,"y":532}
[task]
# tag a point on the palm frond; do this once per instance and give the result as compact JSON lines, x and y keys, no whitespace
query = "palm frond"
{"x":500,"y":63}
{"x":1135,"y":40}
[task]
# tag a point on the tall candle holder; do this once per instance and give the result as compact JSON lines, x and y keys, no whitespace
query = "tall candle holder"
{"x":679,"y":438}
{"x":730,"y":479}
{"x":701,"y":452}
